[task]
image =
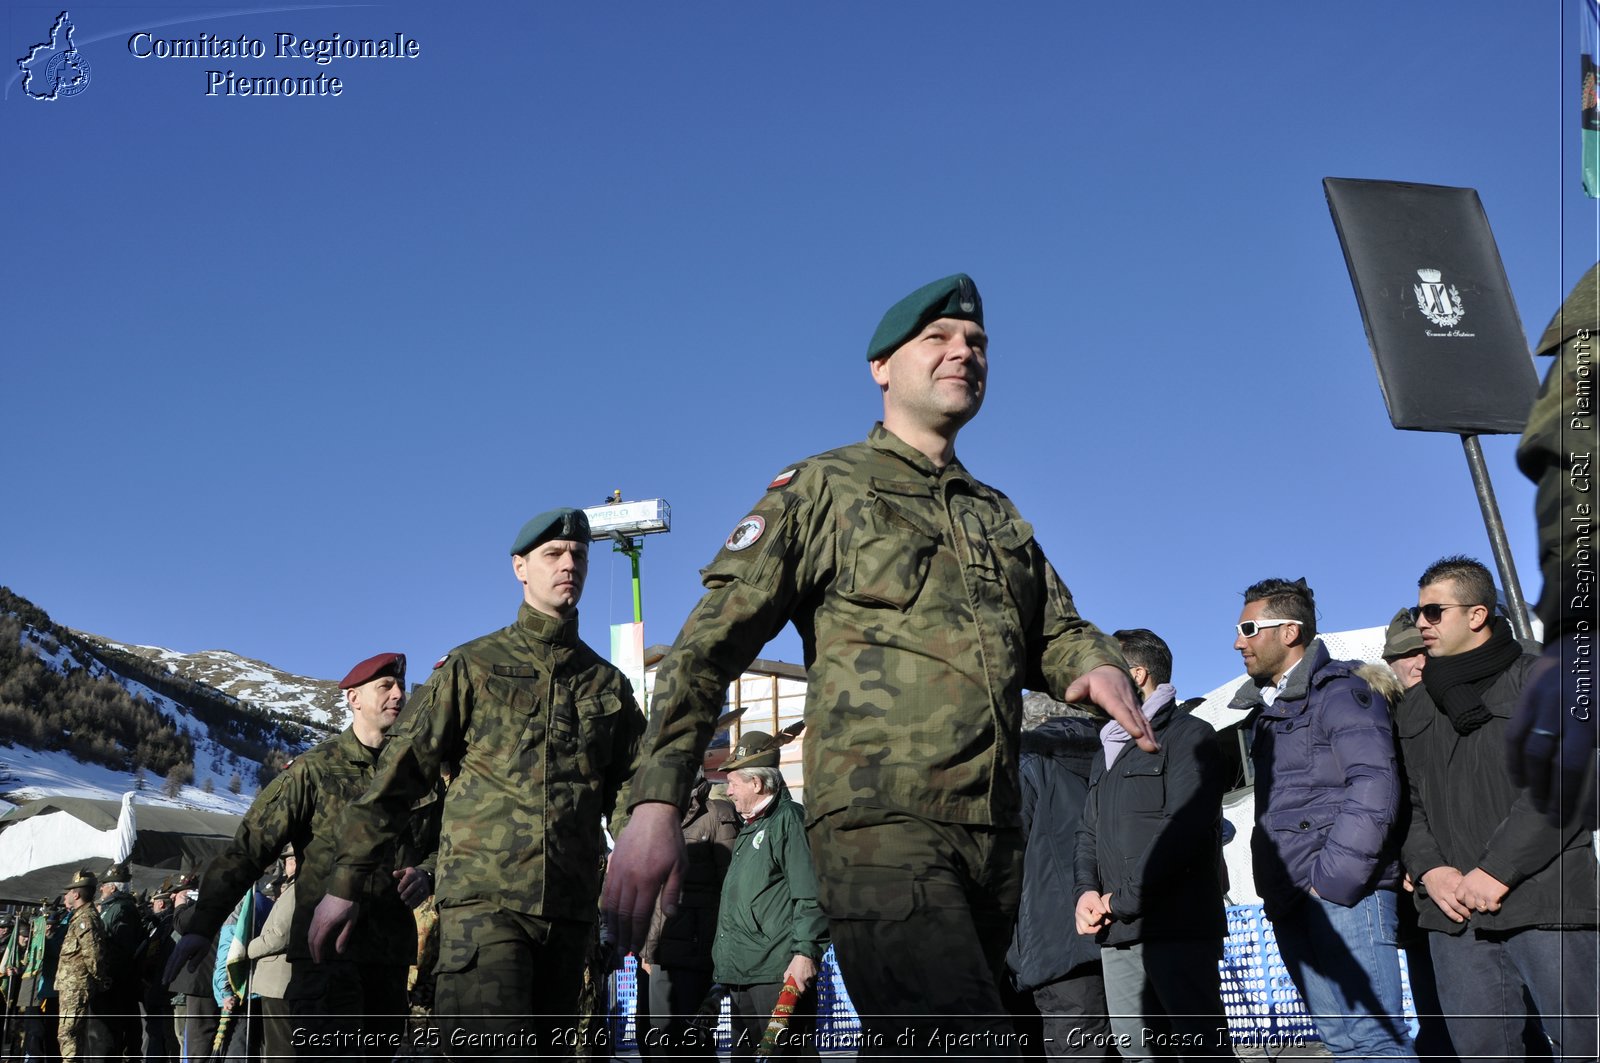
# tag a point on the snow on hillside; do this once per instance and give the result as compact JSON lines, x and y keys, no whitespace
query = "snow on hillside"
{"x":282,"y":693}
{"x":26,"y":774}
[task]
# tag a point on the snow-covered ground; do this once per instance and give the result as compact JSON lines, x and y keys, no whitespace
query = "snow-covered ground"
{"x":29,"y":773}
{"x":26,"y":774}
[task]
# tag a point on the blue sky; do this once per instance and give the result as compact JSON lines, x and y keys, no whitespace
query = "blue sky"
{"x":284,"y":376}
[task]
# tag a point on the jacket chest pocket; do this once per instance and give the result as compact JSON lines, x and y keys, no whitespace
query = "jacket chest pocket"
{"x":509,"y":718}
{"x":889,"y":552}
{"x":587,"y":725}
{"x":1293,"y":749}
{"x":1143,"y":787}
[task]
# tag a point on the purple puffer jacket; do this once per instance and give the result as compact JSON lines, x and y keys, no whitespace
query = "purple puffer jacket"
{"x":1328,"y":786}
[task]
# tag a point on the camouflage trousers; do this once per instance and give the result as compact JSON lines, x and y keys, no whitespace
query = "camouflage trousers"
{"x":921,"y":915}
{"x":79,"y":1033}
{"x":508,"y":983}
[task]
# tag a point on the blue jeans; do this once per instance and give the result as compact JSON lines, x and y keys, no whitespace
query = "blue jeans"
{"x":1346,"y":965}
{"x":1481,"y":979}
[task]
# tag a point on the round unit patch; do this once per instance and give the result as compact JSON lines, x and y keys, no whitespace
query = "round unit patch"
{"x":746,"y":532}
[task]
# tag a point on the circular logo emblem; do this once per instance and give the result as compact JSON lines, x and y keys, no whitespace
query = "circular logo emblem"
{"x":67,"y":74}
{"x":746,"y":532}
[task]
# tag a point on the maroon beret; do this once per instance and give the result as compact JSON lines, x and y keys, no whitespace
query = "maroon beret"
{"x":383,"y":664}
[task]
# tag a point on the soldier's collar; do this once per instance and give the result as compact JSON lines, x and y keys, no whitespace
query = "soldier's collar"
{"x":886,"y":441}
{"x":547,"y":628}
{"x":352,"y":748}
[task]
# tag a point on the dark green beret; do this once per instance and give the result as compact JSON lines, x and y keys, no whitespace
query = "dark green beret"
{"x":562,"y":523}
{"x":954,"y":296}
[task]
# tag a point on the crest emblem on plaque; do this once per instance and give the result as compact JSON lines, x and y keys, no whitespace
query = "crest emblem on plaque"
{"x":1438,"y":303}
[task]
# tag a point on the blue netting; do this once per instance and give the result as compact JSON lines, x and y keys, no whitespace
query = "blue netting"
{"x":1260,"y":999}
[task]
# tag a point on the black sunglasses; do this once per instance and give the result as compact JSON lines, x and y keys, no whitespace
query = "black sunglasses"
{"x":1433,"y":612}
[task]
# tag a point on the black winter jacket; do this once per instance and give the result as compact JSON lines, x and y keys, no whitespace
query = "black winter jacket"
{"x":1054,"y":770}
{"x":1151,"y":835}
{"x":1465,"y":814}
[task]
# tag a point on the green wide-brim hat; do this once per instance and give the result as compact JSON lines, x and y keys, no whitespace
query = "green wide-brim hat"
{"x":755,"y":749}
{"x":953,"y":296}
{"x":1402,"y":639}
{"x":564,"y":523}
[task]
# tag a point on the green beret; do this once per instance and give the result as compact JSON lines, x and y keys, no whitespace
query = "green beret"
{"x":562,"y":523}
{"x":954,"y":296}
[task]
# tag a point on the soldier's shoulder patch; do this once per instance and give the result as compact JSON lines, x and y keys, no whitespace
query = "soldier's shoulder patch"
{"x":746,"y":533}
{"x":783,"y":478}
{"x":440,"y":662}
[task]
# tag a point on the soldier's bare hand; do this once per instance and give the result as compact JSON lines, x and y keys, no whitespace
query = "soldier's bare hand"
{"x":1108,"y":687}
{"x":647,"y":863}
{"x":330,"y":928}
{"x":414,"y":885}
{"x":186,"y":953}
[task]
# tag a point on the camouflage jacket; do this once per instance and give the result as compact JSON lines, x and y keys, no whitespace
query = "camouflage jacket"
{"x":1557,"y":453}
{"x":925,"y":607}
{"x":301,"y":806}
{"x":82,"y":968}
{"x":544,"y":733}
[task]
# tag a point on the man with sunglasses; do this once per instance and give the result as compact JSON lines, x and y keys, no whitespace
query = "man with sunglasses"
{"x":1508,"y":897}
{"x":1325,"y":845}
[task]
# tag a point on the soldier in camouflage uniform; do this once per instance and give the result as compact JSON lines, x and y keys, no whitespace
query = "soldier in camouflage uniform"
{"x":925,"y":606}
{"x":544,"y":733}
{"x":365,"y":987}
{"x":1553,"y":736}
{"x":81,"y":972}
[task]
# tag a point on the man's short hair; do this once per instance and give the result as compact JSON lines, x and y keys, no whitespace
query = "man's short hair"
{"x":769,"y":779}
{"x":1149,"y":651}
{"x":1473,"y":582}
{"x":1287,"y":600}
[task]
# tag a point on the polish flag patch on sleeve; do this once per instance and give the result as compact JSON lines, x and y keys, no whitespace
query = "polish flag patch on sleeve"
{"x":782,"y":478}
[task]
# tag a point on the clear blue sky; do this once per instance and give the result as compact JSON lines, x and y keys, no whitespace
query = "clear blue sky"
{"x":284,"y":376}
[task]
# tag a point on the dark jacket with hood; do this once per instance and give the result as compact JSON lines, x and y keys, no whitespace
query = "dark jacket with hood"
{"x":1151,"y":835}
{"x":1466,"y":814}
{"x":1328,"y":786}
{"x":1045,"y":946}
{"x":682,"y":941}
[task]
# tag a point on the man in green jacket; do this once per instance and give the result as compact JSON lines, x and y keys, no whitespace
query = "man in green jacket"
{"x":925,"y":607}
{"x":770,"y":929}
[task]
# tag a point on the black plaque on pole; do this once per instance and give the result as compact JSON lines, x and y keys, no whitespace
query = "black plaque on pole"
{"x":1438,"y":311}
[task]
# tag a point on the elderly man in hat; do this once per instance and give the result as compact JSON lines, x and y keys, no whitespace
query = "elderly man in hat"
{"x":543,"y":733}
{"x":365,"y":987}
{"x":770,"y":930}
{"x":82,"y":972}
{"x":925,"y":606}
{"x":118,"y":1005}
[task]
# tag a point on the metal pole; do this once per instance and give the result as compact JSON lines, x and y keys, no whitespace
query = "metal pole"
{"x":637,"y":548}
{"x":1515,"y":605}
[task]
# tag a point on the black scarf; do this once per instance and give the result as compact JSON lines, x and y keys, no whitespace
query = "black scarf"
{"x":1456,"y":683}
